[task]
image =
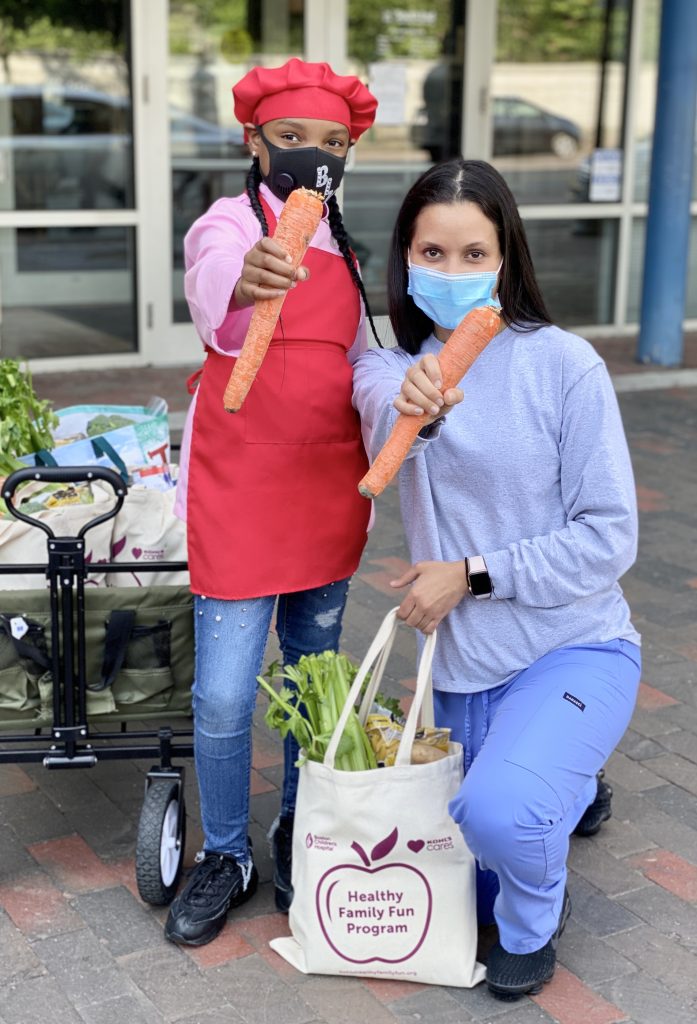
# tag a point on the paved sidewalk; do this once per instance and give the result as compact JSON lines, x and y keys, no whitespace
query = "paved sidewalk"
{"x":78,"y":945}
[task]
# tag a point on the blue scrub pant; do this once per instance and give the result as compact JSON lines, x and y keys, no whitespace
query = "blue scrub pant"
{"x":532,"y":750}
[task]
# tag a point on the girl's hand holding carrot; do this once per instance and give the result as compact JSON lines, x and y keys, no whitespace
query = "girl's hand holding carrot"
{"x":267,"y":273}
{"x":279,"y":267}
{"x":421,"y":392}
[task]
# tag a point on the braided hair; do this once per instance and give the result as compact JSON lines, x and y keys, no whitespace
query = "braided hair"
{"x":336,"y":226}
{"x":252,"y":189}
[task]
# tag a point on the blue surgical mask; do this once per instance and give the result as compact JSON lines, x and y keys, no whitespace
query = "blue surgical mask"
{"x":447,"y":298}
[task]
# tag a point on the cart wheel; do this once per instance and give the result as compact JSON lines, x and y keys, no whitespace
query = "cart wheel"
{"x":159,"y":849}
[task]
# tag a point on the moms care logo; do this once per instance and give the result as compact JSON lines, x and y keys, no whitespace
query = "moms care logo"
{"x":370,"y":913}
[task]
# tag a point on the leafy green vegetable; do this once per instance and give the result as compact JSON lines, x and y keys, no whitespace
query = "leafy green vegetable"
{"x":26,"y":421}
{"x":103,"y":422}
{"x":391,"y":705}
{"x":310,"y":708}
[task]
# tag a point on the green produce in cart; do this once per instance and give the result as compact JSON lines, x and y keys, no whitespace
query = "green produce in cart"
{"x":26,"y":421}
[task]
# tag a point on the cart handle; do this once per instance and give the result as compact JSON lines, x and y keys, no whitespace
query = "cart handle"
{"x":64,"y":475}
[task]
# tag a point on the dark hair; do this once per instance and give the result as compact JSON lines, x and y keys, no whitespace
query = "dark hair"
{"x":336,"y":226}
{"x":458,"y":181}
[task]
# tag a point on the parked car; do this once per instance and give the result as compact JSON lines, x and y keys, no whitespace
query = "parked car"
{"x":71,"y":148}
{"x":523,"y":127}
{"x":519,"y":127}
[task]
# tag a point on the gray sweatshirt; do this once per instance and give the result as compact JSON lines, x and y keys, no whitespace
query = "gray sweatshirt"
{"x":531,"y":471}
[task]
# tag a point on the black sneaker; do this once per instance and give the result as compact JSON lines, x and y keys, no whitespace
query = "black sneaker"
{"x":597,"y":812}
{"x":512,"y":975}
{"x":215,"y":885}
{"x":281,"y":838}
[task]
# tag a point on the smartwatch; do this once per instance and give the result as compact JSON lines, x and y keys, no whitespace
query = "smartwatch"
{"x":478,"y":579}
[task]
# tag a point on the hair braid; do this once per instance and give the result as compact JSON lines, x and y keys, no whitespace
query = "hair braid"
{"x":252,"y":188}
{"x":336,"y":226}
{"x":338,"y":231}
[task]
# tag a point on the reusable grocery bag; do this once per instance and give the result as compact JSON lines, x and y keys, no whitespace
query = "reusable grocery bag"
{"x":21,"y":543}
{"x":122,"y":437}
{"x":384,"y":884}
{"x":146,"y":530}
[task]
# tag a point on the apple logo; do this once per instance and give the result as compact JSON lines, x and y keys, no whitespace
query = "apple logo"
{"x":374,"y":913}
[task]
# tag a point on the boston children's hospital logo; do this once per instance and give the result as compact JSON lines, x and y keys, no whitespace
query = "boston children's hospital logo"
{"x":372,"y":913}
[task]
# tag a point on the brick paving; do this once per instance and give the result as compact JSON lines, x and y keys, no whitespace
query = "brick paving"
{"x":79,"y":947}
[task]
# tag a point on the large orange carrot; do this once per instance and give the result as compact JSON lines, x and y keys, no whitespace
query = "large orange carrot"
{"x":468,"y":340}
{"x":297,"y":224}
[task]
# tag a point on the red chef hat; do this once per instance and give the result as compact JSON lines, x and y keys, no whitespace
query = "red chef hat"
{"x":299,"y":89}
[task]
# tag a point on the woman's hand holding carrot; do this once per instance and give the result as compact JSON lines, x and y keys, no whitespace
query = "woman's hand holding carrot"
{"x":267,"y":273}
{"x":465,"y":343}
{"x":436,"y":587}
{"x":421,"y":392}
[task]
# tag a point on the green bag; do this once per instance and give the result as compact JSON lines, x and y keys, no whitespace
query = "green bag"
{"x":139,"y":655}
{"x":24,"y":659}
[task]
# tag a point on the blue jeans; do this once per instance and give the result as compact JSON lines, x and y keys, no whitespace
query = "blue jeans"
{"x":230,"y":642}
{"x":532,"y":750}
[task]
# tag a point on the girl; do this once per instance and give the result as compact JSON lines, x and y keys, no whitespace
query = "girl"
{"x":519,"y":510}
{"x":269,"y":494}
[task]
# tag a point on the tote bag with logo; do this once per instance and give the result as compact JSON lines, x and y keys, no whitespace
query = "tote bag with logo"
{"x":147,"y":531}
{"x":384,"y":884}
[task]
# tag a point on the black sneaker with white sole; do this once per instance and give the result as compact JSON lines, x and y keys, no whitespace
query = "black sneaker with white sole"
{"x":281,"y":839}
{"x":216,"y":884}
{"x":512,"y":975}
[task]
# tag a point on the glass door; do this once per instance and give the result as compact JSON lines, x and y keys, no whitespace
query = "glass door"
{"x":412,"y":56}
{"x":210,"y":46}
{"x":67,"y":185}
{"x":559,"y":86}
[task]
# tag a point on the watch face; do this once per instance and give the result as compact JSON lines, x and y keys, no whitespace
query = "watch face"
{"x":480,"y":584}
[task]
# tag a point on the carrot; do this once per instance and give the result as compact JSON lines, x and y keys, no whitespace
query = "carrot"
{"x":297,"y":224}
{"x":468,"y":340}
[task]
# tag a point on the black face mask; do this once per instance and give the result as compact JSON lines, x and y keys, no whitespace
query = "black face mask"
{"x":306,"y":167}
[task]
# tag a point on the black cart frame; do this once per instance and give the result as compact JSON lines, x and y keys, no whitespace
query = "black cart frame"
{"x":69,"y":742}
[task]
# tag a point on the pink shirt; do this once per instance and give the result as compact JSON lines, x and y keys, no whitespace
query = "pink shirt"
{"x":214,"y":251}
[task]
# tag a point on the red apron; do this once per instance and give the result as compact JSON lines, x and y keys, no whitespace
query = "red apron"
{"x":273,"y":504}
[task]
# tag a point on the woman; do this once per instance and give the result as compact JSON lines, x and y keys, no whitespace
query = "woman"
{"x":269,"y":494}
{"x":519,"y":509}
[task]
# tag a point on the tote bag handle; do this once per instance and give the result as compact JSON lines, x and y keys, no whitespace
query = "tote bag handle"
{"x":424,"y":705}
{"x":379,"y":651}
{"x":426,"y":709}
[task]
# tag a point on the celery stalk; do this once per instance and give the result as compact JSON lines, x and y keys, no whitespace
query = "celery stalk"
{"x":310,"y":704}
{"x":358,"y":758}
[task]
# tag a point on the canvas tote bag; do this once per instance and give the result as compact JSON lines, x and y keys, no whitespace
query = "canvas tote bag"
{"x":21,"y":543}
{"x":145,"y":531}
{"x":384,"y":883}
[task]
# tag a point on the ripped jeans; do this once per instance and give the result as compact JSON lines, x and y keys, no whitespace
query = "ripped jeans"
{"x":231,"y":638}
